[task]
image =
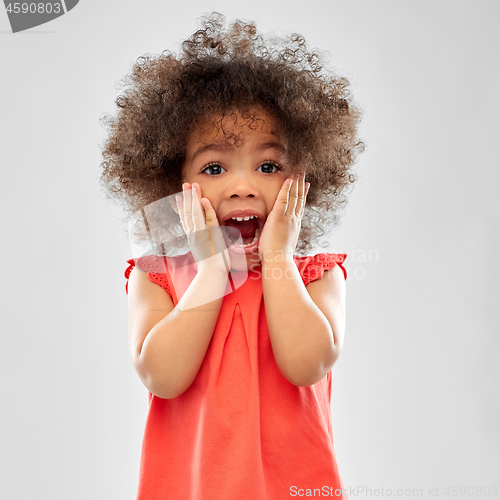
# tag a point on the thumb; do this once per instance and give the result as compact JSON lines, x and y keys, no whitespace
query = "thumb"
{"x":210,"y":215}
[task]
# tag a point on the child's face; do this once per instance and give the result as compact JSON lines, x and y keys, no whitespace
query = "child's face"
{"x":241,"y":180}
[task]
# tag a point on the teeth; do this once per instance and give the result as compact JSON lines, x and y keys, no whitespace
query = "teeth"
{"x":244,"y":218}
{"x":255,"y":238}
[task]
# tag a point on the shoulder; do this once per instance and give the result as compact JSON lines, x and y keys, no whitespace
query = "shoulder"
{"x":314,"y":267}
{"x":329,"y":294}
{"x":143,"y":285}
{"x":146,"y":295}
{"x":330,"y":284}
{"x":148,"y":305}
{"x":143,"y":274}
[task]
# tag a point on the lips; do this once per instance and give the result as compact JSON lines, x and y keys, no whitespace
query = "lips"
{"x":243,"y":213}
{"x":247,"y":224}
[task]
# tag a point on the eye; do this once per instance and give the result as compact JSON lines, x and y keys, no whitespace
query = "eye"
{"x":213,"y":169}
{"x":268,"y":166}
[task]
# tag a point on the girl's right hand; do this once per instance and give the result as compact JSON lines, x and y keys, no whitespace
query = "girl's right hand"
{"x":201,"y":226}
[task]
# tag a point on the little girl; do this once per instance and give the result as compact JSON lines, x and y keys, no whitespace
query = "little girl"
{"x":252,"y":143}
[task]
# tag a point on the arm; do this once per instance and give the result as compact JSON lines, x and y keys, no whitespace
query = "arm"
{"x":167,"y":343}
{"x":306,"y":325}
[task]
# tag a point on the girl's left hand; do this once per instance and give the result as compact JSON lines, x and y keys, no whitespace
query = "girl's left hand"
{"x":281,"y":230}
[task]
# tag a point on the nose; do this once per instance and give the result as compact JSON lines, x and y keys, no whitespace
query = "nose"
{"x":236,"y":195}
{"x":241,"y":186}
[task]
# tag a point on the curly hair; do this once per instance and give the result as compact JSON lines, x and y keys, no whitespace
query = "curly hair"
{"x":220,"y":69}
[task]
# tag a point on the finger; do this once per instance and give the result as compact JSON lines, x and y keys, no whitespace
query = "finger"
{"x":307,"y":192}
{"x":197,"y":209}
{"x":210,"y":215}
{"x":180,"y":209}
{"x":172,"y":200}
{"x":281,"y":202}
{"x":188,"y":207}
{"x":293,"y":196}
{"x":217,"y":241}
{"x":301,"y":195}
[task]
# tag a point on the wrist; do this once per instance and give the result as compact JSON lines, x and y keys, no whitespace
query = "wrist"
{"x":273,"y":258}
{"x":214,"y":266}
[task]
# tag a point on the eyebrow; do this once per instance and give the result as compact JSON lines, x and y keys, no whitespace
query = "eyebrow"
{"x":271,"y":145}
{"x":221,"y":147}
{"x":209,"y":147}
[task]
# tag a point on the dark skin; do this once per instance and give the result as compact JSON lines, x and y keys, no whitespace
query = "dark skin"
{"x":168,"y":344}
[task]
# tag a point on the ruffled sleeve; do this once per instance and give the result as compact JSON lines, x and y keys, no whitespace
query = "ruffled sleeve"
{"x":313,"y":268}
{"x":157,"y":270}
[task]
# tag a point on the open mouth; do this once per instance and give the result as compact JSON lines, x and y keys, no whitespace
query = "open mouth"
{"x":247,"y":229}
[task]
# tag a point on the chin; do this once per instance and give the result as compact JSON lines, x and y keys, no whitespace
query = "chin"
{"x":243,"y":262}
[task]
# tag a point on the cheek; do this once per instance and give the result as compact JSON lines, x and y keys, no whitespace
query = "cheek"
{"x":272,"y":195}
{"x":210,"y":192}
{"x":278,"y":185}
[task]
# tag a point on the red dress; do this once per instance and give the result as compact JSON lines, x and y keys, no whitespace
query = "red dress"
{"x":241,"y":430}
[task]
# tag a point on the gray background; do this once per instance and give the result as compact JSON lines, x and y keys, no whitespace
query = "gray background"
{"x":415,"y":396}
